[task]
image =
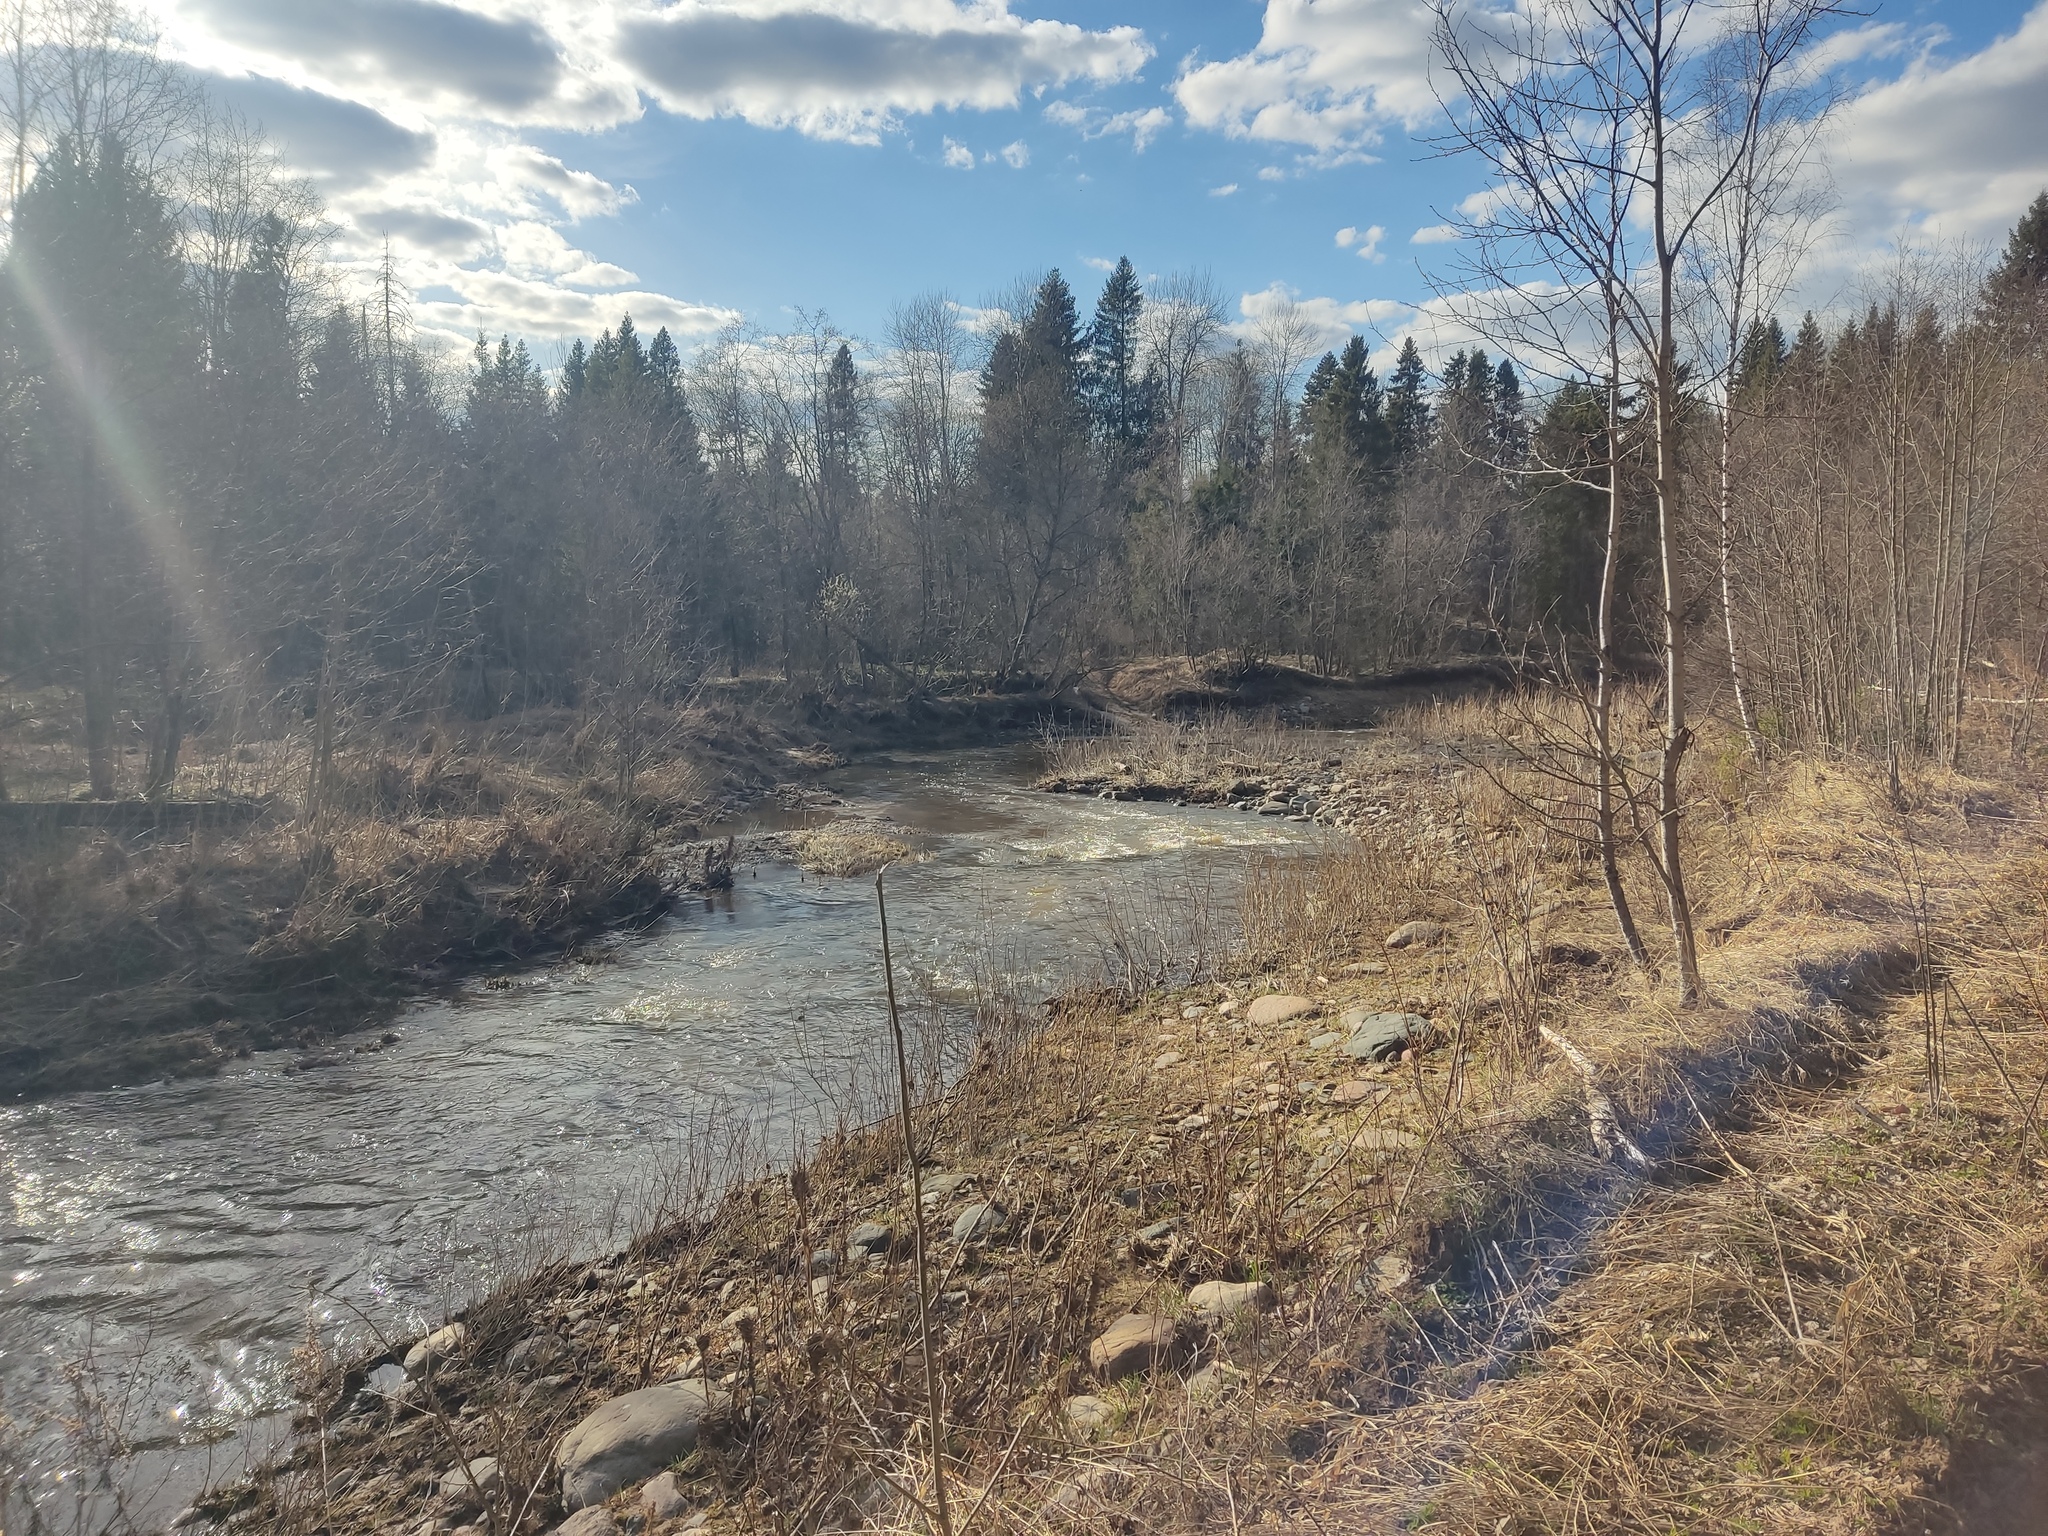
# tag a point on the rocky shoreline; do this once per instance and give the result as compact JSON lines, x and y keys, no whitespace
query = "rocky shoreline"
{"x":1239,"y":1225}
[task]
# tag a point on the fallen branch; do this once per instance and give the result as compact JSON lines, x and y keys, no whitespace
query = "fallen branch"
{"x":1608,"y":1136}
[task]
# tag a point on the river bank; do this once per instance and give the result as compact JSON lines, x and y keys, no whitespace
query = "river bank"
{"x":1288,"y":1242}
{"x":131,"y":957}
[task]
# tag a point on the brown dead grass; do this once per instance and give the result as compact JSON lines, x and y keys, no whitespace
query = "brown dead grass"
{"x":1785,"y":1332}
{"x":847,"y":849}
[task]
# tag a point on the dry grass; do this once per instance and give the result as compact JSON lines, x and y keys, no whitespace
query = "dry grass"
{"x":847,"y":849}
{"x":1783,"y":1331}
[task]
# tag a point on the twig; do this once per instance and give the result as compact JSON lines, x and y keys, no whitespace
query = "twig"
{"x":924,"y":1295}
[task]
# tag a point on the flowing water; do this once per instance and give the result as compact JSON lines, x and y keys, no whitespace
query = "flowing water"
{"x":182,"y":1234}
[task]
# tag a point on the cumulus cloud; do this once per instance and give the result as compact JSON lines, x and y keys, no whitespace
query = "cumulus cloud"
{"x":1093,"y":123}
{"x":844,"y":72}
{"x":1365,"y":241}
{"x":1326,"y":75}
{"x":341,"y":144}
{"x":1434,"y":234}
{"x":1948,"y":149}
{"x":958,"y":156}
{"x":1228,"y":189}
{"x":498,"y":64}
{"x":1016,"y":155}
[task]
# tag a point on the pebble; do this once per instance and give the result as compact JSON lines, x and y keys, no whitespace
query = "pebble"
{"x":1356,"y":1091}
{"x":1167,"y":1059}
{"x":662,"y":1498}
{"x":1192,"y":1123}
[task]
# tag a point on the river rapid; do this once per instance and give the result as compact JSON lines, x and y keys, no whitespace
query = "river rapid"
{"x":181,"y":1236}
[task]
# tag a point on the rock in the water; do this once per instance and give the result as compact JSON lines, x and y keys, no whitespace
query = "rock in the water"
{"x":1135,"y":1344}
{"x":1216,"y":1301}
{"x":1419,"y":934}
{"x":436,"y":1346}
{"x":978,"y":1220}
{"x":870,"y":1237}
{"x":662,"y":1499}
{"x":629,"y":1438}
{"x":1277,"y":1008}
{"x":471,"y":1486}
{"x":1377,"y":1036}
{"x":588,"y":1522}
{"x":1087,"y":1415}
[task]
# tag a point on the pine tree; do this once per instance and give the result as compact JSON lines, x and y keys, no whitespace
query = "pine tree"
{"x":1117,"y":395}
{"x":1408,"y":414}
{"x":1510,"y":430}
{"x":1763,"y":355}
{"x":575,"y":373}
{"x":2017,"y":290}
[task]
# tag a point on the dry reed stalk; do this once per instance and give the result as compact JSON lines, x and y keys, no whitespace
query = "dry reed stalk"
{"x":935,"y":1405}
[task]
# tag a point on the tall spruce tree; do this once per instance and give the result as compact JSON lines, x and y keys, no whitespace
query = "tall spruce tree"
{"x":1118,"y":397}
{"x":1408,"y":414}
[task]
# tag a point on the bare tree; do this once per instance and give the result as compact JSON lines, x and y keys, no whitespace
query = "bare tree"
{"x":1652,"y":108}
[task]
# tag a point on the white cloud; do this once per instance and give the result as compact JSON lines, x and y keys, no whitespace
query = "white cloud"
{"x":958,"y":156}
{"x":1016,"y":155}
{"x":1434,"y":234}
{"x":1271,"y":173}
{"x":1366,"y":241}
{"x":1099,"y":263}
{"x":1948,"y":149}
{"x":500,"y":302}
{"x":1142,"y":125}
{"x":841,"y":70}
{"x":1228,"y":189}
{"x":1327,"y":75}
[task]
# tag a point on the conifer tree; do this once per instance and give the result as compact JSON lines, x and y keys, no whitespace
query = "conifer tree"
{"x":1117,"y":394}
{"x":1408,"y":414}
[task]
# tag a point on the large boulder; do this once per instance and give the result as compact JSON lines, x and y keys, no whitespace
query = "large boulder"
{"x":1277,"y":1008}
{"x":629,"y":1439}
{"x":1135,"y":1344}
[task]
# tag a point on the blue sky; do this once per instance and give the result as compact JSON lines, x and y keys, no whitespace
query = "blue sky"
{"x":541,"y":164}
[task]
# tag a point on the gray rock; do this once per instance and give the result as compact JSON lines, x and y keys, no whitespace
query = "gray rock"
{"x":1217,"y":1301}
{"x":1087,"y":1415}
{"x":536,"y":1351}
{"x":1091,"y":1494}
{"x":472,"y":1486}
{"x":629,"y":1438}
{"x":1213,"y":1381}
{"x":824,"y":1262}
{"x":1135,"y":1344}
{"x":981,"y":1219}
{"x":1325,"y":1040}
{"x":1419,"y":934}
{"x":1377,"y":1036}
{"x":942,"y":1186}
{"x":589,"y":1522}
{"x":662,"y":1499}
{"x":1159,"y":1231}
{"x":871,"y":1237}
{"x":435,"y":1347}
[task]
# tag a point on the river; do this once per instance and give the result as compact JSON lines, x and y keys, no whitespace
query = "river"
{"x":183,"y":1234}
